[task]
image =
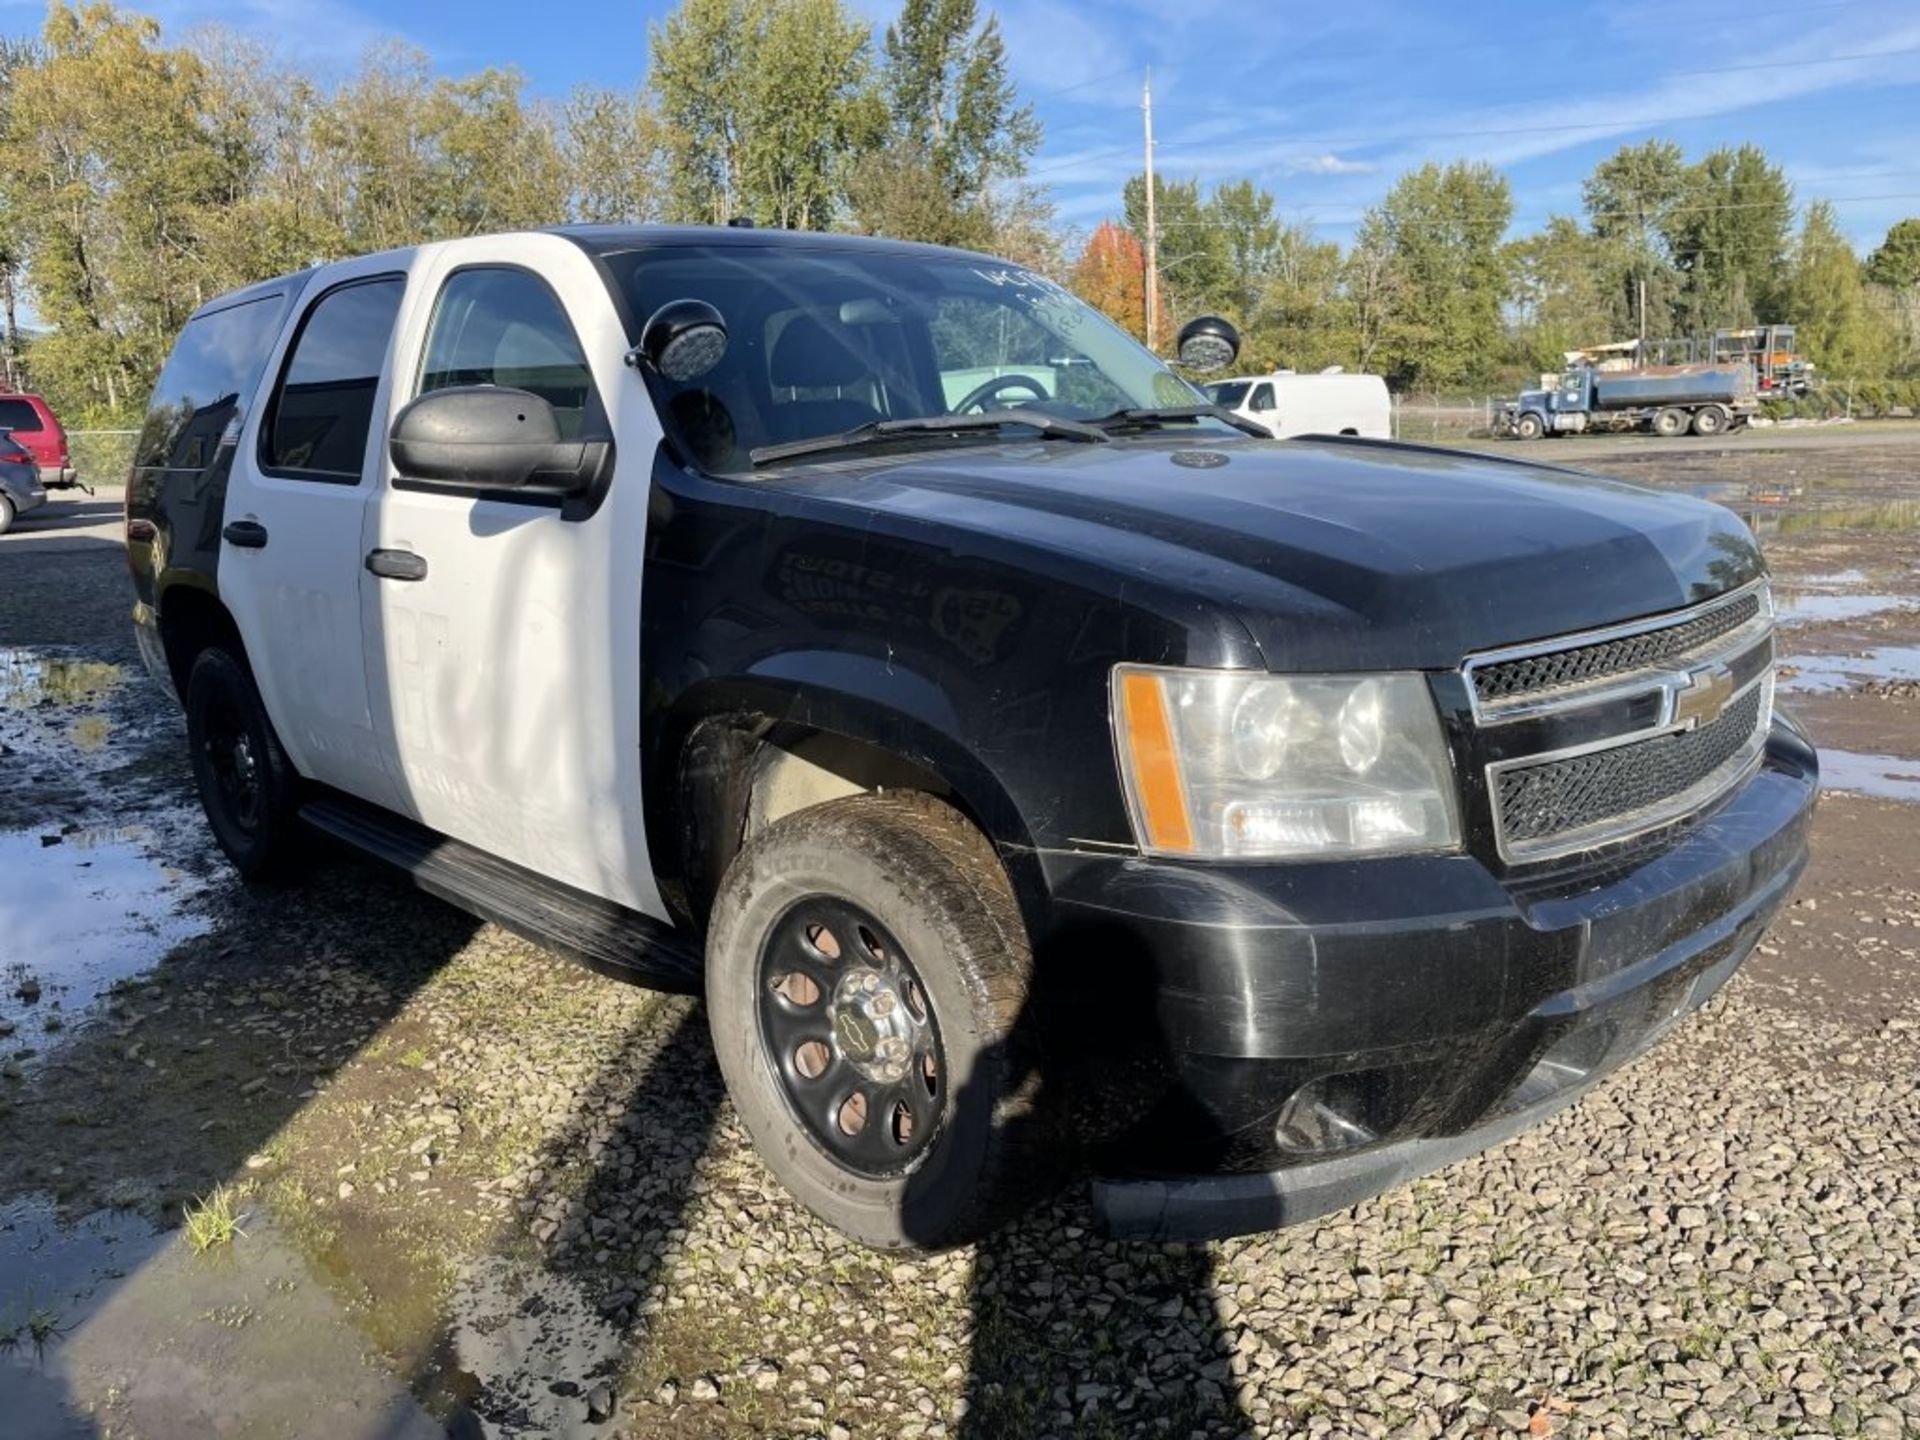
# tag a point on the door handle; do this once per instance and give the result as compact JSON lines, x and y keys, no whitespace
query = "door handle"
{"x":245,"y":534}
{"x":397,"y":564}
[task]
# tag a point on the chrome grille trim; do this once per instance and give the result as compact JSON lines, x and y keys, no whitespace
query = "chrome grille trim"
{"x":1624,"y":826}
{"x":1670,"y":677}
{"x":1613,"y":684}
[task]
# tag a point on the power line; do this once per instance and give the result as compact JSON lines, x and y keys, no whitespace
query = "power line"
{"x":1604,"y":214}
{"x":1620,"y":124}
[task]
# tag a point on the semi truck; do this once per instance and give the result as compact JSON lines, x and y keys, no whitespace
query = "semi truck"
{"x":1664,"y":399}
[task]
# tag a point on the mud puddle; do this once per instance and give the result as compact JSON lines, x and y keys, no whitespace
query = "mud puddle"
{"x":81,"y":910}
{"x":1828,"y":607}
{"x":123,"y":1329}
{"x":1825,"y":674}
{"x":1887,"y":777}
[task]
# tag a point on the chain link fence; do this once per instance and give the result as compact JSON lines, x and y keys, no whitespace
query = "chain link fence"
{"x":1438,"y":420}
{"x":102,"y":457}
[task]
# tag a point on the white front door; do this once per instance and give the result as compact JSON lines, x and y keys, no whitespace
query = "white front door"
{"x":507,"y":675}
{"x":290,"y":553}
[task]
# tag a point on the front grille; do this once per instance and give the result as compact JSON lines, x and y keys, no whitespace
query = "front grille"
{"x":1616,"y":789}
{"x":1532,"y":675}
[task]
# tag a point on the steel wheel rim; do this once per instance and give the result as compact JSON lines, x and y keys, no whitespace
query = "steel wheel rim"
{"x":229,"y":749}
{"x":848,"y":1029}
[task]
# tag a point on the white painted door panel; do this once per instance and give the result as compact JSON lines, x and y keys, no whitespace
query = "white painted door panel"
{"x":508,"y":679}
{"x":297,"y":600}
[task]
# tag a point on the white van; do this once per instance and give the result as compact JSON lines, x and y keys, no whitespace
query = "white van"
{"x":1330,"y":403}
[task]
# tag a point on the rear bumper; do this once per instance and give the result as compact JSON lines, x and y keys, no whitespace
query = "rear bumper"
{"x":1325,"y":1032}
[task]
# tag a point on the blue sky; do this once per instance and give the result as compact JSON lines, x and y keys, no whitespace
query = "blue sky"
{"x":1324,"y":104}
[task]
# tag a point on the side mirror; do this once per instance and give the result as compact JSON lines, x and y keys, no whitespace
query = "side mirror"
{"x":491,"y":437}
{"x":683,"y":341}
{"x":1208,"y":343}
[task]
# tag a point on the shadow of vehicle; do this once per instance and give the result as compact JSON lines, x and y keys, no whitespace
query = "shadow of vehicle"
{"x":1072,"y":1332}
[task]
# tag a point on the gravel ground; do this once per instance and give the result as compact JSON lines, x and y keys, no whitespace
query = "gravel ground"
{"x":524,"y":1195}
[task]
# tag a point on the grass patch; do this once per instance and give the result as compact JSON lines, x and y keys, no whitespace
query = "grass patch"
{"x":40,"y":1328}
{"x":214,"y":1219}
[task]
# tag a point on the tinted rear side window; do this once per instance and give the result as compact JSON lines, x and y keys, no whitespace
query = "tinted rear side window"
{"x":213,"y":371}
{"x":323,"y":409}
{"x":19,"y":416}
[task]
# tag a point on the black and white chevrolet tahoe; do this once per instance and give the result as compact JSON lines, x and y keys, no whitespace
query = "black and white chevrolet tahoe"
{"x":1033,"y":770}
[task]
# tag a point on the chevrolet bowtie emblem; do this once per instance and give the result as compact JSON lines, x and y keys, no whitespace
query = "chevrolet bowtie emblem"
{"x":1705,"y":693}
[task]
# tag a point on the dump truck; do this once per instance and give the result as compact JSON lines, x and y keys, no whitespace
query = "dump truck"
{"x":1664,"y":399}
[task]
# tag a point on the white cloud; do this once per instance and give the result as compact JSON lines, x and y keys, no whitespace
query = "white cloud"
{"x":1328,"y":165}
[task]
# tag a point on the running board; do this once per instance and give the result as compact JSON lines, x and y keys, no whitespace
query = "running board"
{"x":598,"y":933}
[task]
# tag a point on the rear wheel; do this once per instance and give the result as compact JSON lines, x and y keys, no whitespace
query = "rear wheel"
{"x":1709,"y":420}
{"x":866,"y":970}
{"x":247,"y":784}
{"x":1530,"y":426}
{"x":1670,"y":422}
{"x":7,"y":513}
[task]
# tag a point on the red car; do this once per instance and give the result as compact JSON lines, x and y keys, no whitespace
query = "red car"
{"x":29,"y":420}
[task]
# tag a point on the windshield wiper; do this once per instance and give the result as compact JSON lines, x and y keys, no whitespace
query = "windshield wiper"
{"x":875,"y":430}
{"x":1155,"y":415}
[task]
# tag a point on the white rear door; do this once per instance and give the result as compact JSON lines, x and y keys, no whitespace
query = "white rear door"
{"x":290,"y":553}
{"x":507,"y":677}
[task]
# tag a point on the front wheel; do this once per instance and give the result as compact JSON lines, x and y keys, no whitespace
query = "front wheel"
{"x":866,"y":972}
{"x":248,"y":786}
{"x":1530,"y":426}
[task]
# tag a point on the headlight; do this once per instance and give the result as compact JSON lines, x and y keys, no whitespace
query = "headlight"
{"x":1232,"y":764}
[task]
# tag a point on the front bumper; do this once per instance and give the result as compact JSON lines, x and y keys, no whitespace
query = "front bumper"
{"x":1322,"y":1032}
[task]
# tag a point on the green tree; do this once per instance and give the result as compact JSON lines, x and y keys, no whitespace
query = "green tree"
{"x":1565,"y":291}
{"x":1195,"y":269}
{"x":104,"y":150}
{"x":610,"y":148}
{"x":952,"y":99}
{"x":1729,"y":238}
{"x":812,"y":106}
{"x":1439,"y":231}
{"x":1630,"y":198}
{"x":768,"y":106}
{"x":1838,"y":330}
{"x":1896,"y":263}
{"x":1303,"y":318}
{"x":1250,"y":238}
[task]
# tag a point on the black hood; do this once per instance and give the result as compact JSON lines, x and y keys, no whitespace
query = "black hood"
{"x":1336,"y":555}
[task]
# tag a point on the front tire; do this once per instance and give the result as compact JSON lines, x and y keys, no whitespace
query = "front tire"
{"x":867,"y":968}
{"x":1530,"y":426}
{"x":248,"y":786}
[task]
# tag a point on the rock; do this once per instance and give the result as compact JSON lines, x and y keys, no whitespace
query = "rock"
{"x":704,"y":1389}
{"x":600,"y":1403}
{"x":837,"y":1431}
{"x":346,"y":1190}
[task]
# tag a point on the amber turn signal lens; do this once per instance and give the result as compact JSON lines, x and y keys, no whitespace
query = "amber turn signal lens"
{"x":1146,"y":733}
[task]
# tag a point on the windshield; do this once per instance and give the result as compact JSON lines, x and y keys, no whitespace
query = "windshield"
{"x":1228,"y":393}
{"x":822,"y":341}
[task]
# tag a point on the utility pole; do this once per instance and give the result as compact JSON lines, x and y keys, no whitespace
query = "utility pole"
{"x":1153,"y":224}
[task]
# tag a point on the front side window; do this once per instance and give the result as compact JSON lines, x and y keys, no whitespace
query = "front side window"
{"x":1263,"y":397}
{"x":495,"y":326}
{"x":322,"y":411}
{"x":825,"y":340}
